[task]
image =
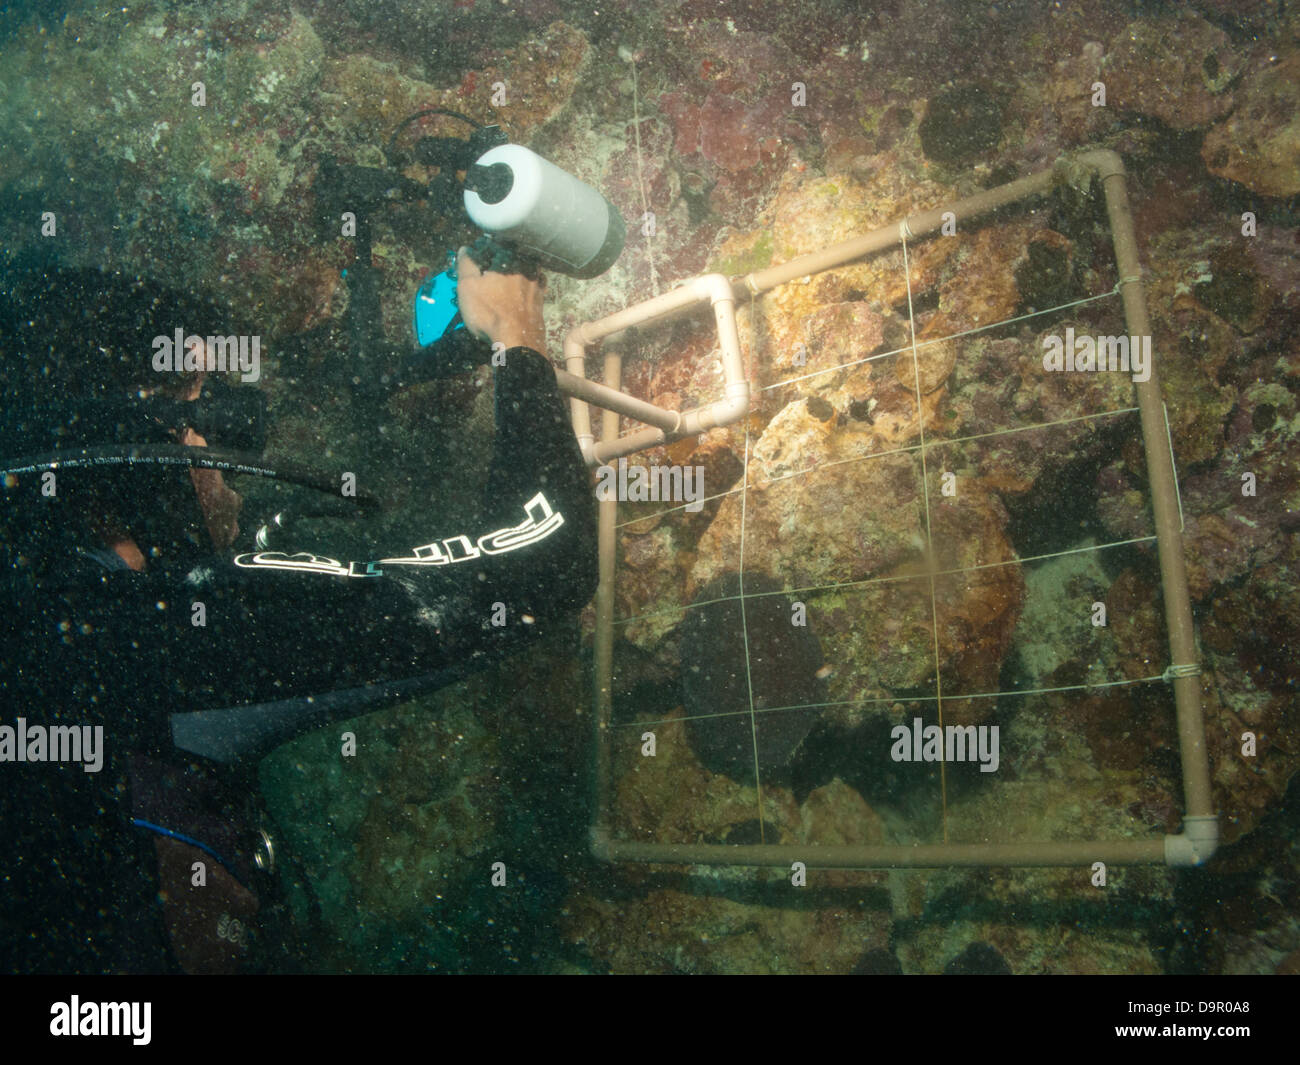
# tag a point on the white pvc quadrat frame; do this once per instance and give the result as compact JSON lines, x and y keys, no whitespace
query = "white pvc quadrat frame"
{"x":1197,"y":840}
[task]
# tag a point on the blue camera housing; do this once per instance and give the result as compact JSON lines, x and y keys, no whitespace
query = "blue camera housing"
{"x":436,"y":311}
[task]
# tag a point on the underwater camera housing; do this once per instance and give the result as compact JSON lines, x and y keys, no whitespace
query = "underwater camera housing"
{"x":534,"y":215}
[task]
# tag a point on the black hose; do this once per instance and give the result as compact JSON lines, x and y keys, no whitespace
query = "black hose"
{"x":183,"y":455}
{"x":392,"y":141}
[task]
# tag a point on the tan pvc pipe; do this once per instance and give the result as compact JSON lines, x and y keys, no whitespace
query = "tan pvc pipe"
{"x":1197,"y":795}
{"x":668,"y":425}
{"x":887,"y":236}
{"x":1196,"y":843}
{"x":665,"y":425}
{"x":612,"y":399}
{"x":581,"y":337}
{"x":606,"y":541}
{"x":886,"y":856}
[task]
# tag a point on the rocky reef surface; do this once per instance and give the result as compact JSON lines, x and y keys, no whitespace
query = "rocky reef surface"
{"x":733,"y":136}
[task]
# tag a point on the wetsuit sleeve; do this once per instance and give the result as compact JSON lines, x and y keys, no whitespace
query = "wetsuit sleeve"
{"x":531,"y":559}
{"x":126,"y":648}
{"x":534,"y":452}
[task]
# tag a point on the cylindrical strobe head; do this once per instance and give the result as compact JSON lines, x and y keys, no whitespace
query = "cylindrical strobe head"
{"x":549,"y":215}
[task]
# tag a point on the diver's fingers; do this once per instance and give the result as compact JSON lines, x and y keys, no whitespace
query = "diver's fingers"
{"x":465,"y":264}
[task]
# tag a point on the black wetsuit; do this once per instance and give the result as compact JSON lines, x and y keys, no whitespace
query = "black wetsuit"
{"x":120,"y":650}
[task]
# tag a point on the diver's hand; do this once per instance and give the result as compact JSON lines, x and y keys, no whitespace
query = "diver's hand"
{"x":219,"y":502}
{"x":501,"y":308}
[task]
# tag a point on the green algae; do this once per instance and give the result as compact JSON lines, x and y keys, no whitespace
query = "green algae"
{"x":757,"y":257}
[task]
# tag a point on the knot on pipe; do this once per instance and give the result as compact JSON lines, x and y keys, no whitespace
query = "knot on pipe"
{"x":1187,"y":669}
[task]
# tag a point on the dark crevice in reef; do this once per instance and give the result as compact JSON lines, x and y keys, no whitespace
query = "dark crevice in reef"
{"x":1061,"y":510}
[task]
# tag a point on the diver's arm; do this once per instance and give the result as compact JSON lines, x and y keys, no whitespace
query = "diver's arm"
{"x":452,"y":605}
{"x":294,"y":624}
{"x":532,"y":550}
{"x":534,"y":450}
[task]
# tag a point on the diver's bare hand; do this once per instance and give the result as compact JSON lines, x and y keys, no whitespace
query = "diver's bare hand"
{"x":501,"y":308}
{"x":219,"y":502}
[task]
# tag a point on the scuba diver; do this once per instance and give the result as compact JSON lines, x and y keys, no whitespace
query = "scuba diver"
{"x":119,"y":527}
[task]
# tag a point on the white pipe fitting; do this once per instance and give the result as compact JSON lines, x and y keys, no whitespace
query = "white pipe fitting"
{"x":1195,"y":845}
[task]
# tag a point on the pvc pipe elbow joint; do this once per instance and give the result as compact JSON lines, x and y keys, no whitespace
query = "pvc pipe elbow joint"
{"x":1195,"y":845}
{"x":736,"y":404}
{"x":1105,"y":161}
{"x":716,"y":288}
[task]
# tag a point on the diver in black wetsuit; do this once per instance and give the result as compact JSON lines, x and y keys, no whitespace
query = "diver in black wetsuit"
{"x":83,"y":854}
